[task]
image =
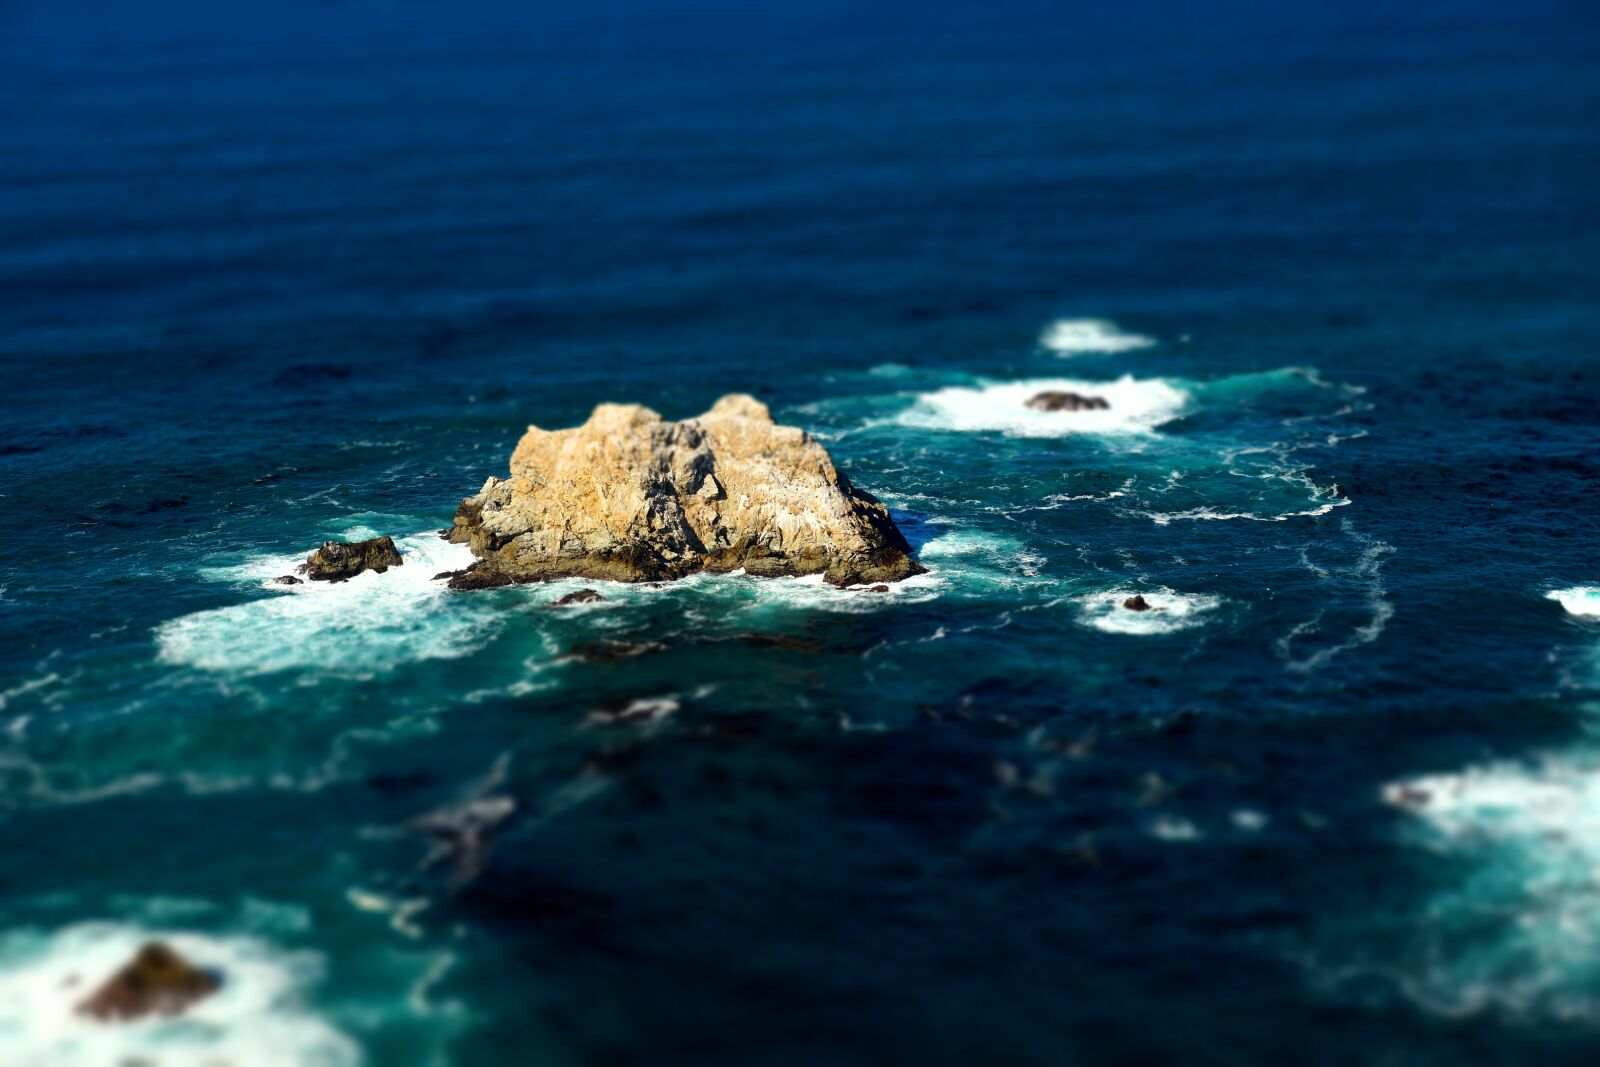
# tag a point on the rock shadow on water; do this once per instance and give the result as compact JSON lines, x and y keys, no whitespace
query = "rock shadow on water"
{"x":919,"y":529}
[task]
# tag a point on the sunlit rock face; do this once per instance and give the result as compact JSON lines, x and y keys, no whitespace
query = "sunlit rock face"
{"x":631,"y":497}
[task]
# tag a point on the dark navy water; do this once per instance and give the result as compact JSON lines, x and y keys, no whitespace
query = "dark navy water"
{"x":273,"y":276}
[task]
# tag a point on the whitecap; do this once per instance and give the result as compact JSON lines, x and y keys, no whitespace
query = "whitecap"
{"x":1249,"y":820}
{"x":376,"y":622}
{"x":371,"y":622}
{"x":1174,"y":829}
{"x":1137,"y":406}
{"x":1070,"y":337}
{"x":1169,"y":612}
{"x":256,"y":1016}
{"x":1557,"y":801}
{"x":1578,"y":600}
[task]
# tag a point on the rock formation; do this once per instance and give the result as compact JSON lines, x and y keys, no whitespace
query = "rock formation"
{"x":1136,"y":602}
{"x":1056,"y":401}
{"x":339,"y":561}
{"x":582,"y":596}
{"x":631,"y":497}
{"x":157,"y":981}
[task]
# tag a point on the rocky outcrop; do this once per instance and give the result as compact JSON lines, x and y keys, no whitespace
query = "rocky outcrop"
{"x":157,"y":981}
{"x":339,"y":561}
{"x":582,"y":596}
{"x":1057,"y":401}
{"x":1136,"y":603}
{"x":631,"y":497}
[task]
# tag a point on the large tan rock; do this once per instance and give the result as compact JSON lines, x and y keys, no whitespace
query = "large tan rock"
{"x":631,"y":497}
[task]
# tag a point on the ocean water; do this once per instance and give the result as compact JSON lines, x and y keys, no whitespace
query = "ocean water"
{"x":274,"y":276}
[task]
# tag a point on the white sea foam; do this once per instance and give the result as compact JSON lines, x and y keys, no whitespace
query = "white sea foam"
{"x":980,"y":561}
{"x":1319,"y":499}
{"x":723,"y":596}
{"x":1205,"y":514}
{"x":1137,"y":406}
{"x":1169,"y":612}
{"x":1070,"y":337}
{"x":375,"y":622}
{"x":43,"y":681}
{"x":1521,"y":934}
{"x":1556,"y":801}
{"x":1249,"y":820}
{"x":1579,"y":600}
{"x":645,"y":711}
{"x":372,"y":622}
{"x":1174,"y":828}
{"x":257,"y":1017}
{"x":1311,"y":644}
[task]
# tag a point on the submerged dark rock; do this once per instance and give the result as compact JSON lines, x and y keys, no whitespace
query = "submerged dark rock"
{"x":582,"y":596}
{"x":312,"y":375}
{"x":478,"y":576}
{"x":1411,"y":796}
{"x":521,"y":897}
{"x":339,"y":561}
{"x":1052,"y":400}
{"x":1136,"y":603}
{"x":157,"y":981}
{"x":878,"y":589}
{"x":783,"y":642}
{"x":609,"y":649}
{"x":287,"y":579}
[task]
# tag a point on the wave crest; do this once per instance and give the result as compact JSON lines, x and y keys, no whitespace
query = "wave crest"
{"x":255,"y":1017}
{"x":1070,"y":337}
{"x":1136,"y":406}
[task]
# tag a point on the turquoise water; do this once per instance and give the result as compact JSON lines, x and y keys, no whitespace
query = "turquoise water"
{"x":309,"y":274}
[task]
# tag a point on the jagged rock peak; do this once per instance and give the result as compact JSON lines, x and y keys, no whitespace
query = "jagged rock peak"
{"x":630,"y":496}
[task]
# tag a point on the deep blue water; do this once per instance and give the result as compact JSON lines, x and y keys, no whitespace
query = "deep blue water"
{"x":268,"y":277}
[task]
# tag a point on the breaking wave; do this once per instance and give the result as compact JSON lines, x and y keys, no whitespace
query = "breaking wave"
{"x":1520,"y":934}
{"x":256,"y":1017}
{"x":1136,"y":406}
{"x":1578,"y":600}
{"x":1169,"y":612}
{"x":371,"y":622}
{"x":1070,"y":337}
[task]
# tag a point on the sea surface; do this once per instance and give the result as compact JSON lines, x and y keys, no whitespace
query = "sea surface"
{"x":273,"y":274}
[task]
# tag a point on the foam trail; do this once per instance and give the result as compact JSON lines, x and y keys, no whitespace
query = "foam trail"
{"x":1070,"y":337}
{"x":254,"y":1018}
{"x":1169,"y":612}
{"x":372,"y":622}
{"x":1137,"y":406}
{"x":1365,"y":575}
